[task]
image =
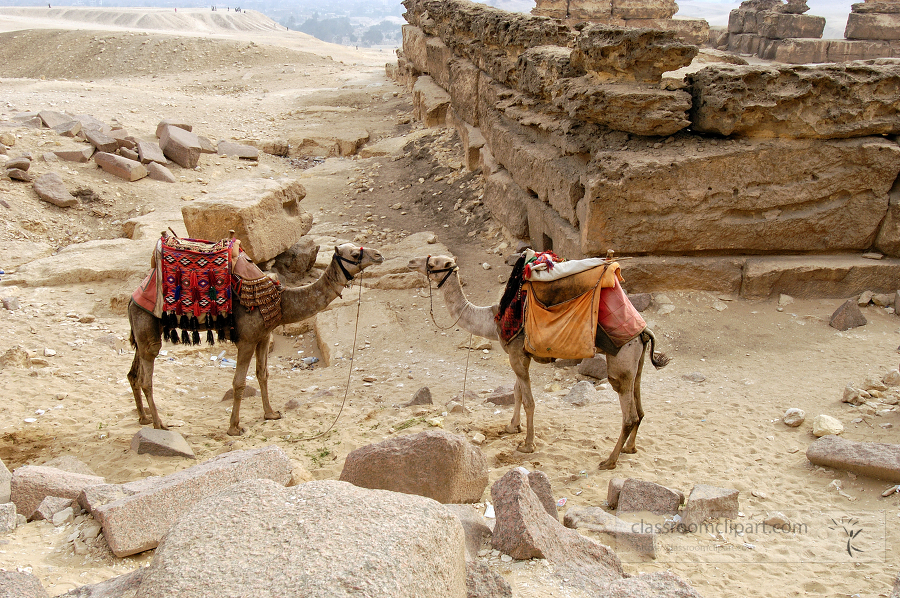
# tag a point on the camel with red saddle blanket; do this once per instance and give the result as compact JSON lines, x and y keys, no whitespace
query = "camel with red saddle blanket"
{"x":543,"y":310}
{"x":191,"y":298}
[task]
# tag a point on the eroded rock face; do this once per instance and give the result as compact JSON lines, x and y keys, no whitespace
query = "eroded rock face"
{"x":264,"y":214}
{"x":830,"y":101}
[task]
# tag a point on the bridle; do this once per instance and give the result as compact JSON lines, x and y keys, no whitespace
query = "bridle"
{"x":429,"y":271}
{"x":341,"y":260}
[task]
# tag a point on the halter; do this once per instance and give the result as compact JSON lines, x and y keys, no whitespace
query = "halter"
{"x":449,"y":271}
{"x":340,"y":260}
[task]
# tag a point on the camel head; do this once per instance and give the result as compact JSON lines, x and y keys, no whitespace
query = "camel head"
{"x":352,"y":259}
{"x":436,"y":268}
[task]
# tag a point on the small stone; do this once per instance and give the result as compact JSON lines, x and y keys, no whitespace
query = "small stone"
{"x":661,"y":299}
{"x":873,"y":256}
{"x":20,"y":163}
{"x":486,"y":266}
{"x":694,"y":377}
{"x":64,"y":517}
{"x":719,"y":306}
{"x":794,"y":417}
{"x":785,"y":300}
{"x":777,"y":519}
{"x":865,"y":298}
{"x":847,"y":316}
{"x":49,"y":352}
{"x":422,"y":397}
{"x":11,"y":303}
{"x":824,"y":425}
{"x":641,"y":301}
{"x":892,"y":378}
{"x":478,"y":438}
{"x":17,"y":174}
{"x":665,"y":309}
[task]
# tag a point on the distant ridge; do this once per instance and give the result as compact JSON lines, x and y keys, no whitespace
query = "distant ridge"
{"x":187,"y":20}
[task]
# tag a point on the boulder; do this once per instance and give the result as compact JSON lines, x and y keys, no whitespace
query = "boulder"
{"x":437,"y":464}
{"x":825,"y":425}
{"x":475,"y":526}
{"x":621,"y":536}
{"x":76,"y":155}
{"x":334,"y":540}
{"x":793,"y":417}
{"x":100,"y":140}
{"x":847,"y":316}
{"x":871,"y":459}
{"x":50,"y":188}
{"x":123,"y":586}
{"x":264,"y":214}
{"x":540,"y":485}
{"x":830,"y":101}
{"x":502,"y":395}
{"x":52,"y":119}
{"x":613,"y":490}
{"x":422,"y":397}
{"x":174,"y":122}
{"x":523,"y":530}
{"x":595,"y":367}
{"x":708,"y":502}
{"x":17,"y":174}
{"x":8,"y":517}
{"x":237,"y":150}
{"x":642,"y":496}
{"x":137,"y":522}
{"x":130,"y":170}
{"x":298,"y":259}
{"x":5,"y":479}
{"x":150,"y":152}
{"x":583,"y":393}
{"x":482,"y":582}
{"x":50,"y":506}
{"x":21,"y":585}
{"x":180,"y":146}
{"x":31,"y":484}
{"x":161,"y":443}
{"x":158,"y":172}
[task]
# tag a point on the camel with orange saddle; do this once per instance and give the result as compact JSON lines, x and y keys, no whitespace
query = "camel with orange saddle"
{"x":535,"y":318}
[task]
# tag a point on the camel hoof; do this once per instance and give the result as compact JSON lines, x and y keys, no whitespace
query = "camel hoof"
{"x":607,"y":465}
{"x":525,"y":448}
{"x":234,"y":431}
{"x":511,"y":429}
{"x":629,"y":451}
{"x":273,"y":415}
{"x":145,"y":421}
{"x":161,"y":426}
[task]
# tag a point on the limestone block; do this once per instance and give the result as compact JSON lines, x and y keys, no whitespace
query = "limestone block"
{"x":108,"y":259}
{"x":590,"y":10}
{"x":875,"y":460}
{"x":430,"y":102}
{"x":777,"y":25}
{"x":742,"y":21}
{"x":173,"y":122}
{"x":621,"y":536}
{"x":745,"y":43}
{"x":138,"y":522}
{"x":538,"y":69}
{"x":651,"y":274}
{"x":437,"y":61}
{"x":237,"y":150}
{"x":470,"y":138}
{"x":708,"y":502}
{"x":264,"y":213}
{"x":557,"y":9}
{"x":644,"y":9}
{"x":76,"y":155}
{"x":507,"y":202}
{"x":69,"y":129}
{"x":846,"y":51}
{"x":100,"y":140}
{"x":690,"y":31}
{"x":180,"y":146}
{"x":888,"y":239}
{"x":52,"y":119}
{"x":50,"y":188}
{"x":829,"y":101}
{"x":548,"y":231}
{"x":158,"y":172}
{"x":622,"y":54}
{"x":463,"y":88}
{"x":817,"y":276}
{"x":637,"y":109}
{"x":873,"y":26}
{"x":130,"y":170}
{"x":150,"y":152}
{"x":414,"y":47}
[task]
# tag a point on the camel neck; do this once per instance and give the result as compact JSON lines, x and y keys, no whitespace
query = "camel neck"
{"x":472,"y":318}
{"x":300,"y":303}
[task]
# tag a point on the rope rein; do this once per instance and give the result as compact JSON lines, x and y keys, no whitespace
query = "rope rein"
{"x":353,"y":350}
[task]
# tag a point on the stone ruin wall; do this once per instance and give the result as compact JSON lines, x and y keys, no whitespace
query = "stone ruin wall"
{"x":740,"y":179}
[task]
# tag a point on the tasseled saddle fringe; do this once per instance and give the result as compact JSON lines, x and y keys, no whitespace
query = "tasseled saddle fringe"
{"x":221,"y":325}
{"x":265,"y":294}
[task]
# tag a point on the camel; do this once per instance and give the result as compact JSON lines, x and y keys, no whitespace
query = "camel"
{"x":253,"y":337}
{"x":624,"y":368}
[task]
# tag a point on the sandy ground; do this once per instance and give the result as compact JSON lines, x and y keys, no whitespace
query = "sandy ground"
{"x":756,"y":360}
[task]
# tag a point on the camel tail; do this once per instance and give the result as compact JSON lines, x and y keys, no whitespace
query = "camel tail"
{"x":657,"y":358}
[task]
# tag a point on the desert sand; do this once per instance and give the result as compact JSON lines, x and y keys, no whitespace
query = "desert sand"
{"x":256,"y":83}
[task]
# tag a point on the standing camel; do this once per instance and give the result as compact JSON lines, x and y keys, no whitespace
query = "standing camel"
{"x":253,"y":336}
{"x":624,"y":369}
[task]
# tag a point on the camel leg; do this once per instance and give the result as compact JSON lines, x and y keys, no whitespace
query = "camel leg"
{"x":520,"y":363}
{"x":262,"y":375}
{"x":134,"y":375}
{"x":245,"y":354}
{"x":629,"y":444}
{"x":514,"y":426}
{"x":622,"y":370}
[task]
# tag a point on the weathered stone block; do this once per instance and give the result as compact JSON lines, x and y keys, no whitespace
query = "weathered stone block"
{"x":777,"y":25}
{"x":507,"y":202}
{"x":650,"y":274}
{"x":742,"y":21}
{"x":539,"y":69}
{"x":50,"y":188}
{"x":150,"y":152}
{"x":158,"y":172}
{"x":52,"y":119}
{"x":237,"y":150}
{"x":437,"y":61}
{"x":689,"y":31}
{"x":787,"y":201}
{"x":430,"y":102}
{"x":120,"y":166}
{"x":873,"y":26}
{"x":5,"y":479}
{"x":463,"y":88}
{"x":643,"y":496}
{"x":173,"y":122}
{"x":31,"y":484}
{"x":820,"y":102}
{"x":180,"y":146}
{"x":76,"y":155}
{"x":621,"y":536}
{"x":590,"y":10}
{"x":817,"y":276}
{"x":161,"y":443}
{"x":871,"y":459}
{"x":100,"y":140}
{"x":138,"y":522}
{"x":264,"y":213}
{"x":708,"y":502}
{"x":644,"y":9}
{"x":414,"y":47}
{"x":621,"y":54}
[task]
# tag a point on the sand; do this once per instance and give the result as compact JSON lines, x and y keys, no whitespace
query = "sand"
{"x":756,"y":359}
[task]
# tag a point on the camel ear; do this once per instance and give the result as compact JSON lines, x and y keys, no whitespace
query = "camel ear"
{"x":336,"y":250}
